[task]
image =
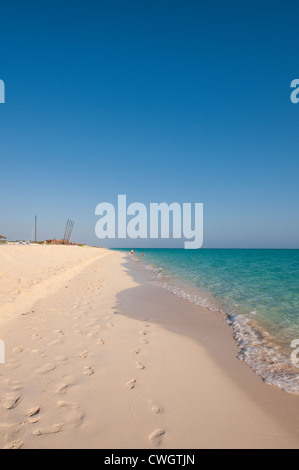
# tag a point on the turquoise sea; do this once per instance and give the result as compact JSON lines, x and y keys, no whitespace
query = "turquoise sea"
{"x":257,"y":289}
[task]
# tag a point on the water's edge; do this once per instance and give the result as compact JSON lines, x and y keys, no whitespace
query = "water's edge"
{"x":257,"y":347}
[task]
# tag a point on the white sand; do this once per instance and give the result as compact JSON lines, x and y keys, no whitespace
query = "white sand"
{"x":96,"y":371}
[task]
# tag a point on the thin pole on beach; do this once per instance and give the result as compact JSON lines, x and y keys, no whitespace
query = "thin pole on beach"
{"x":67,"y":222}
{"x":71,"y":229}
{"x":68,"y":230}
{"x":64,"y":232}
{"x":35,"y":229}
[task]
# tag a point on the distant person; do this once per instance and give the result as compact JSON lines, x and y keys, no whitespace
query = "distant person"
{"x":143,"y":253}
{"x":132,"y":252}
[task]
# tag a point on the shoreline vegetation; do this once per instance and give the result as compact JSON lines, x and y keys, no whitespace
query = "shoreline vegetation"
{"x":97,"y":357}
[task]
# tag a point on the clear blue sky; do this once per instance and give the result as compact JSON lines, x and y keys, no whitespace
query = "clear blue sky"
{"x":183,"y":101}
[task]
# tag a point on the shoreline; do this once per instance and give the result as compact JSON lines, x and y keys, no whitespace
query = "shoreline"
{"x":114,"y":362}
{"x":264,"y":354}
{"x":212,"y":332}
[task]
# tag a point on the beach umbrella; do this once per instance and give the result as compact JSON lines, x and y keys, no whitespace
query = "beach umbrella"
{"x":2,"y":236}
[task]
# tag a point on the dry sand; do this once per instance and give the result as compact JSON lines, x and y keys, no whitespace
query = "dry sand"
{"x":96,"y":357}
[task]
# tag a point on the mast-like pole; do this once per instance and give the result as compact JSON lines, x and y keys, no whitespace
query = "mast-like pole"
{"x":71,"y":230}
{"x":67,"y":222}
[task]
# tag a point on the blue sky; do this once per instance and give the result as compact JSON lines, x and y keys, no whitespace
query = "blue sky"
{"x":162,"y":101}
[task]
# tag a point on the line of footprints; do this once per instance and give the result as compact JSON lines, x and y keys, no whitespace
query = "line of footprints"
{"x":155,"y":438}
{"x":75,"y":414}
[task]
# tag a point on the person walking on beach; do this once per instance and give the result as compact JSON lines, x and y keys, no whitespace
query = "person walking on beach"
{"x":132,"y":252}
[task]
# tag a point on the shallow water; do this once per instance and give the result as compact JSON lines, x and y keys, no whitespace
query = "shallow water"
{"x":258,"y":290}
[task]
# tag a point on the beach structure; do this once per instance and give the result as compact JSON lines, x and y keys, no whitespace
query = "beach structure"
{"x":68,"y":230}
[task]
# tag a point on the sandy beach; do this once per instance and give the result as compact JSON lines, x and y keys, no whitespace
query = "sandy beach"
{"x":97,"y":357}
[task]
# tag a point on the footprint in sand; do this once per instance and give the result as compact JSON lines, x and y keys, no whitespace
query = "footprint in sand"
{"x":139,"y":365}
{"x":36,"y":337}
{"x":54,"y":342}
{"x":93,"y":333}
{"x":155,"y":408}
{"x":131,"y":384}
{"x":69,"y":404}
{"x":11,"y":400}
{"x":19,"y":349}
{"x":100,"y":342}
{"x":46,"y":368}
{"x":28,"y":313}
{"x":142,"y":332}
{"x":155,"y":438}
{"x":61,"y":358}
{"x":78,"y":332}
{"x":15,"y":444}
{"x":33,"y":420}
{"x":48,"y":430}
{"x":83,"y":354}
{"x":61,"y":388}
{"x":68,"y":381}
{"x":13,"y":434}
{"x":58,"y":332}
{"x":91,"y":325}
{"x":37,"y":351}
{"x":88,"y":371}
{"x":74,"y":412}
{"x":135,"y":351}
{"x":33,"y":414}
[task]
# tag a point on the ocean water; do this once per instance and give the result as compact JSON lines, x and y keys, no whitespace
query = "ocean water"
{"x":257,"y":290}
